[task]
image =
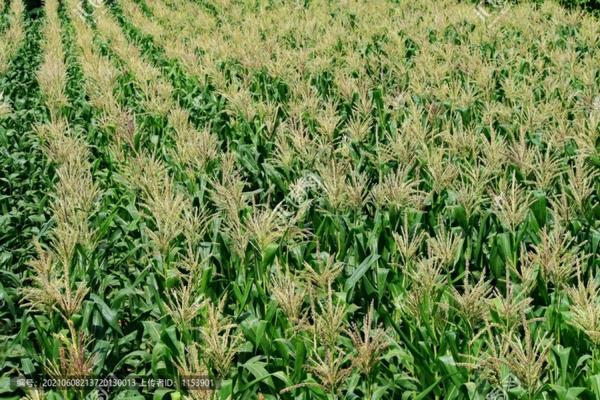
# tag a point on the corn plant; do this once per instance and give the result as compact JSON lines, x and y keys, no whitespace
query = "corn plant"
{"x":301,"y":200}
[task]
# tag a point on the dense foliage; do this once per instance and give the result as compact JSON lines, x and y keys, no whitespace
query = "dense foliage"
{"x":301,"y":200}
{"x":590,"y":5}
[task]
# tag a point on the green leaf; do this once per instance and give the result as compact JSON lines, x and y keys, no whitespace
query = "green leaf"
{"x":258,"y":371}
{"x":109,"y":315}
{"x":360,"y":271}
{"x":594,"y":385}
{"x":160,"y":352}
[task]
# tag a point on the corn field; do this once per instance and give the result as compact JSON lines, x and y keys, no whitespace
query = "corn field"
{"x":300,"y":200}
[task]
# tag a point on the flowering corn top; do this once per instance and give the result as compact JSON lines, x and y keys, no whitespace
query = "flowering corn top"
{"x":299,"y":200}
